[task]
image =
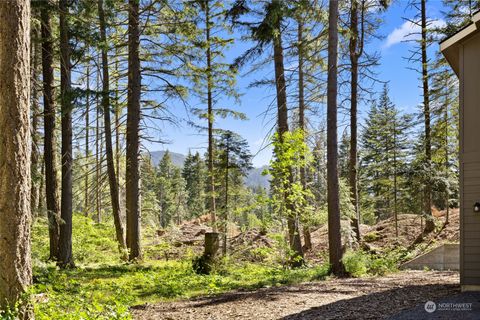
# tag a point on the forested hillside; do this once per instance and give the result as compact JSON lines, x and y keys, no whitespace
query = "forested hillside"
{"x":354,"y":172}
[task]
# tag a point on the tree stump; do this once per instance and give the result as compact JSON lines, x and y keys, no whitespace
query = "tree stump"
{"x":204,"y":263}
{"x":212,"y":243}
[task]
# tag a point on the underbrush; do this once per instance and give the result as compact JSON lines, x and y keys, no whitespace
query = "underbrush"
{"x":103,"y":287}
{"x":360,"y":263}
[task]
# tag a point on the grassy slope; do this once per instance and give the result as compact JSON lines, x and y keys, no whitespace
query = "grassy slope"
{"x":103,"y":287}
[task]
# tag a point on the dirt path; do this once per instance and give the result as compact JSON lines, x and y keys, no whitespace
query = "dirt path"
{"x":365,"y":298}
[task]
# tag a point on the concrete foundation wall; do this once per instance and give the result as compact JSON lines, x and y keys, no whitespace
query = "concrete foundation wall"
{"x":445,"y":257}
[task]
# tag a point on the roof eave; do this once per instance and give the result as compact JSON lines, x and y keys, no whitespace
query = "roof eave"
{"x":449,"y":47}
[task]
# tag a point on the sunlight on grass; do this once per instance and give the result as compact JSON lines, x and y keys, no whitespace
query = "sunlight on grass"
{"x":103,"y":287}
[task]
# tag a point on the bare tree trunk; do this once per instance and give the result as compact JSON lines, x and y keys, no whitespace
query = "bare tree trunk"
{"x":356,"y":50}
{"x":98,"y":162}
{"x":211,"y":116}
{"x":15,"y":146}
{"x":282,"y":112}
{"x":41,"y":191}
{"x":36,"y":113}
{"x":133,"y":127}
{"x":87,"y":142}
{"x":225,"y":219}
{"x":108,"y":133}
{"x":429,"y":222}
{"x":447,"y":191}
{"x":49,"y":153}
{"x":334,"y":236}
{"x":395,"y":184}
{"x":301,"y":122}
{"x":117,"y":127}
{"x":65,"y":256}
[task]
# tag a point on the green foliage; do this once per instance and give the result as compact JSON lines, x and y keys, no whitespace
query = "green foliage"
{"x":371,"y":236}
{"x":291,"y":154}
{"x":356,"y":263}
{"x":194,"y":174}
{"x":102,"y":287}
{"x":384,"y":158}
{"x":347,"y":209}
{"x":359,"y":263}
{"x":92,"y":243}
{"x":163,"y":192}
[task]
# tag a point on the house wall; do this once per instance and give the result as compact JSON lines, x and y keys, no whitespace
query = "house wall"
{"x":470,"y":162}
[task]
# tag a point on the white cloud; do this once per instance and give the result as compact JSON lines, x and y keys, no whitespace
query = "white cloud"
{"x":408,"y":31}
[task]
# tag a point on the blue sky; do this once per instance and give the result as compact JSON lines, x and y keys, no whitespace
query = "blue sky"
{"x":404,"y":84}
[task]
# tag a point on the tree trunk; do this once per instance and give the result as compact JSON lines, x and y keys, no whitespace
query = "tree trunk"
{"x":334,"y":236}
{"x":133,"y":127}
{"x":211,"y":116}
{"x":65,"y":256}
{"x":282,"y":111}
{"x":35,"y":91}
{"x":225,"y":218}
{"x":429,"y":222}
{"x":15,"y":146}
{"x":108,"y":133}
{"x":301,"y":123}
{"x":98,"y":153}
{"x":356,"y":48}
{"x":49,"y":152}
{"x":447,"y":191}
{"x":118,"y":112}
{"x":395,"y":184}
{"x":87,"y":142}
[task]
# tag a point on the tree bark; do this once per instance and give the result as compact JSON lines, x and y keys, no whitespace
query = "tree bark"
{"x":49,"y":152}
{"x":210,"y":115}
{"x":282,"y":114}
{"x":334,"y":236}
{"x":35,"y":92}
{"x":225,"y":219}
{"x":356,"y":50}
{"x":98,"y":162}
{"x":447,"y":191}
{"x":65,"y":256}
{"x":395,"y":182}
{"x":133,"y":127}
{"x":429,"y":222}
{"x":87,"y":142}
{"x":108,"y":132}
{"x":301,"y":123}
{"x":15,"y":149}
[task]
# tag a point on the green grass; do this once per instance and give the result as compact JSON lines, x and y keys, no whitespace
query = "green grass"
{"x":103,"y":287}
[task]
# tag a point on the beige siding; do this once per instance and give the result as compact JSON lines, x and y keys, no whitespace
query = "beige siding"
{"x":470,"y":161}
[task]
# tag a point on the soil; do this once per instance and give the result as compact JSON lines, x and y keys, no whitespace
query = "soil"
{"x":350,"y":298}
{"x":381,"y":237}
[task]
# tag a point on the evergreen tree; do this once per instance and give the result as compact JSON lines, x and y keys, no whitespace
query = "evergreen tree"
{"x":445,"y":130}
{"x":211,"y":76}
{"x":234,"y":157}
{"x":384,"y":161}
{"x":170,"y":191}
{"x":15,"y":147}
{"x":195,"y":177}
{"x":343,"y":156}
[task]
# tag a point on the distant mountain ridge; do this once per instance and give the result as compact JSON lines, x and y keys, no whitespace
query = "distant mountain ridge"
{"x":177,"y":158}
{"x":253,"y":179}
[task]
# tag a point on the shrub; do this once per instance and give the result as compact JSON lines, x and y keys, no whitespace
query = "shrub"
{"x":356,"y":262}
{"x":359,"y":263}
{"x":371,"y":236}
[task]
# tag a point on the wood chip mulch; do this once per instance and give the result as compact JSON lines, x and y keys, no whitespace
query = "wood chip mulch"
{"x":360,"y":298}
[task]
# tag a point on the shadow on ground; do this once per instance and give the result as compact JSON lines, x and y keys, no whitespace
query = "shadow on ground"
{"x":381,"y":305}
